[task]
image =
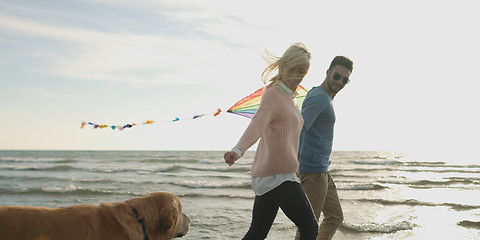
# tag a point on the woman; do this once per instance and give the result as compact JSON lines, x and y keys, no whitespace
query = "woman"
{"x":278,"y":123}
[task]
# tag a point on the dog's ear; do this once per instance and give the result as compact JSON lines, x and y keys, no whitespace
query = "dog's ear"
{"x":169,"y":216}
{"x":169,"y":210}
{"x":160,"y":211}
{"x":121,"y":214}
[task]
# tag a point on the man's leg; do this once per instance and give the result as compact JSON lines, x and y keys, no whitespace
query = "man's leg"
{"x":332,"y":212}
{"x":315,"y":186}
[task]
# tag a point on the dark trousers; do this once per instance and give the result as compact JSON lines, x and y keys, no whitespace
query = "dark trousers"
{"x":289,"y":196}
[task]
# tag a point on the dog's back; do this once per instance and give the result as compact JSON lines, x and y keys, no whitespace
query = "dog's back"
{"x":157,"y":216}
{"x":75,"y":222}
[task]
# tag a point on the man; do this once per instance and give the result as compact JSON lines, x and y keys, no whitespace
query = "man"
{"x":315,"y":147}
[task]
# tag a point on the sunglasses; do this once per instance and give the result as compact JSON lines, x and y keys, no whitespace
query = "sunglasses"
{"x":337,"y":77}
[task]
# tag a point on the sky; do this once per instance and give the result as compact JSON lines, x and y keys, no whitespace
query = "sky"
{"x":62,"y":62}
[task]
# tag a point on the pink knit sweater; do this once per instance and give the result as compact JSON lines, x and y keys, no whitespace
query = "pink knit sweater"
{"x":278,"y":122}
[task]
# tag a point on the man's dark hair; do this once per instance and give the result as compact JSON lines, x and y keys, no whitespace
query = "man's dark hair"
{"x":342,"y":61}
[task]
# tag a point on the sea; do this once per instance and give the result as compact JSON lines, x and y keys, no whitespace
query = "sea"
{"x":384,"y":195}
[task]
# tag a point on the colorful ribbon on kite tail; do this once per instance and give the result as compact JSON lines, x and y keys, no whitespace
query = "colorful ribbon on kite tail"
{"x":216,"y":113}
{"x":118,"y":127}
{"x":148,"y":122}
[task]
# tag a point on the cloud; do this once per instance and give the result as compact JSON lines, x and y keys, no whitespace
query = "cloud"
{"x":95,"y":55}
{"x":48,"y":93}
{"x":125,"y":56}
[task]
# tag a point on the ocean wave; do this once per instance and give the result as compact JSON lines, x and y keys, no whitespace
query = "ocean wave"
{"x":109,"y":169}
{"x":168,"y":160}
{"x":204,"y":184}
{"x":363,"y":170}
{"x":381,"y":162}
{"x":377,"y":227}
{"x":180,"y":168}
{"x":66,"y":161}
{"x":434,"y":184}
{"x":413,"y":202}
{"x":220,"y":169}
{"x":37,"y":160}
{"x":469,"y":224}
{"x":70,"y":190}
{"x":374,"y":157}
{"x":59,"y":168}
{"x":473,"y":170}
{"x":227,"y":196}
{"x":169,"y":169}
{"x":385,"y":156}
{"x":60,"y":178}
{"x":469,"y":180}
{"x":420,"y":163}
{"x":457,"y":170}
{"x":363,"y":187}
{"x":21,"y":179}
{"x":440,"y":164}
{"x":450,"y":182}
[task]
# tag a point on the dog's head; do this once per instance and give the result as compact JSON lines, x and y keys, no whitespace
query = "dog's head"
{"x":162,"y":215}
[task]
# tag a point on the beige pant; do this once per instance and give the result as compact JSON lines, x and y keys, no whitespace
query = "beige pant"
{"x":322,"y":193}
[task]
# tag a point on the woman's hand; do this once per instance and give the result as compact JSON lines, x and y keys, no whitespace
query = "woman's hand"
{"x":230,"y":157}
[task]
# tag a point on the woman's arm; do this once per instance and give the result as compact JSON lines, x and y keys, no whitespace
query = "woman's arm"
{"x":256,"y":128}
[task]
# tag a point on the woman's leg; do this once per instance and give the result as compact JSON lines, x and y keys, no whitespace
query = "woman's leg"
{"x":294,"y":203}
{"x":263,"y":214}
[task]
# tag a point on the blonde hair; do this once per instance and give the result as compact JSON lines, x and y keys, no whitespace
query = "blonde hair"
{"x":293,"y":56}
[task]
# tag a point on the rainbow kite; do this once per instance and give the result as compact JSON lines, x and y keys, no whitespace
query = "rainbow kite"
{"x":246,"y":107}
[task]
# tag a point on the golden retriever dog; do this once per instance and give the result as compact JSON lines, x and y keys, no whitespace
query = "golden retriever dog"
{"x":156,"y":216}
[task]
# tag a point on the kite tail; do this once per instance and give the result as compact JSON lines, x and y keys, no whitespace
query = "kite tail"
{"x":148,"y":122}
